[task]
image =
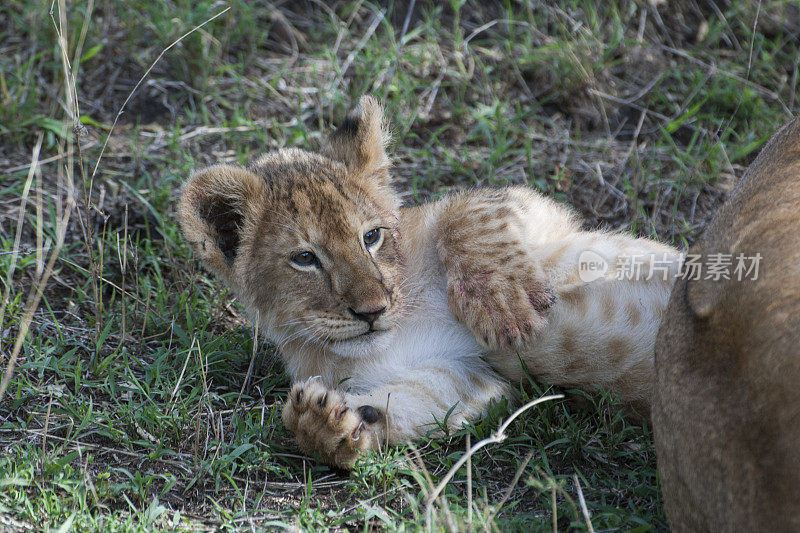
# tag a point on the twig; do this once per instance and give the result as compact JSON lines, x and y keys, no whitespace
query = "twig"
{"x":497,"y":436}
{"x":511,"y":486}
{"x":37,"y":292}
{"x":180,"y":378}
{"x":400,"y":40}
{"x":248,"y":375}
{"x":44,"y":435}
{"x":42,"y":162}
{"x":72,"y":108}
{"x":478,"y":30}
{"x":360,"y":45}
{"x":123,"y":264}
{"x":628,"y":103}
{"x":138,"y":83}
{"x":40,"y":251}
{"x":469,"y":482}
{"x":758,"y":88}
{"x":15,"y":250}
{"x":584,"y":510}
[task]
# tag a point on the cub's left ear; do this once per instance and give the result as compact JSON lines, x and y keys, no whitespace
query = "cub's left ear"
{"x":216,"y":211}
{"x":361,"y":139}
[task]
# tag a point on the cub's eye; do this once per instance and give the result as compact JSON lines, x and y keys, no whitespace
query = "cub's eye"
{"x":305,"y":259}
{"x":371,"y":237}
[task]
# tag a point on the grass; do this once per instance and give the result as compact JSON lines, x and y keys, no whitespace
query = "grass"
{"x":141,"y":399}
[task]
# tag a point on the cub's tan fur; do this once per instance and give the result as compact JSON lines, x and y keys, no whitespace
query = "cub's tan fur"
{"x":726,"y":412}
{"x":424,"y":309}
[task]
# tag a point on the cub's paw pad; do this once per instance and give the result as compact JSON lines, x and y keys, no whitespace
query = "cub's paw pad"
{"x":368,"y":413}
{"x":504,"y":312}
{"x":323,"y":423}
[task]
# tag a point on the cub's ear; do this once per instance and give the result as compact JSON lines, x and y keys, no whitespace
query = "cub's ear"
{"x":217,"y":208}
{"x":360,"y":140}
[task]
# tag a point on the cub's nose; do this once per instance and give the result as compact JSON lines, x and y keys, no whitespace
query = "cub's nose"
{"x":368,"y":315}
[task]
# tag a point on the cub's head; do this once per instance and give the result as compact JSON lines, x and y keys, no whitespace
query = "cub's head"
{"x":307,"y":241}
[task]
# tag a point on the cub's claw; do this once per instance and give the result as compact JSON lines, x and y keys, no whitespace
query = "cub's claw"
{"x":322,"y":423}
{"x":357,"y":432}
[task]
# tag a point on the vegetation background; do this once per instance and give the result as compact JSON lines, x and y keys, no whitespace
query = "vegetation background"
{"x":136,"y":395}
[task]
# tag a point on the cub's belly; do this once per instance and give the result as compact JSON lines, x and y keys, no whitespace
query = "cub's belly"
{"x":601,"y":330}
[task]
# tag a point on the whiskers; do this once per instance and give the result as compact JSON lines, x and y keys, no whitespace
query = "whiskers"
{"x":315,"y":329}
{"x":406,"y":298}
{"x":306,"y":329}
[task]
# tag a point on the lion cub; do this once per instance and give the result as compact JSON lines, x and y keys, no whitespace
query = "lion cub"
{"x":389,"y":317}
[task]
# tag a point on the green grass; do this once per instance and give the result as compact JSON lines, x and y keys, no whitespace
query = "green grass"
{"x":129,"y":408}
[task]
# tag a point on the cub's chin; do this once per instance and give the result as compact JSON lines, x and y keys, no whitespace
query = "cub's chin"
{"x":362,"y":345}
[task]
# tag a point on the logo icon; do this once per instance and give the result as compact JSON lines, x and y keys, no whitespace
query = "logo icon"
{"x":591,"y":266}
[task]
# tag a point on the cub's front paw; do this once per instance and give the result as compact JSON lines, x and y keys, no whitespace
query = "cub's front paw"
{"x":323,"y":423}
{"x":503,"y":311}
